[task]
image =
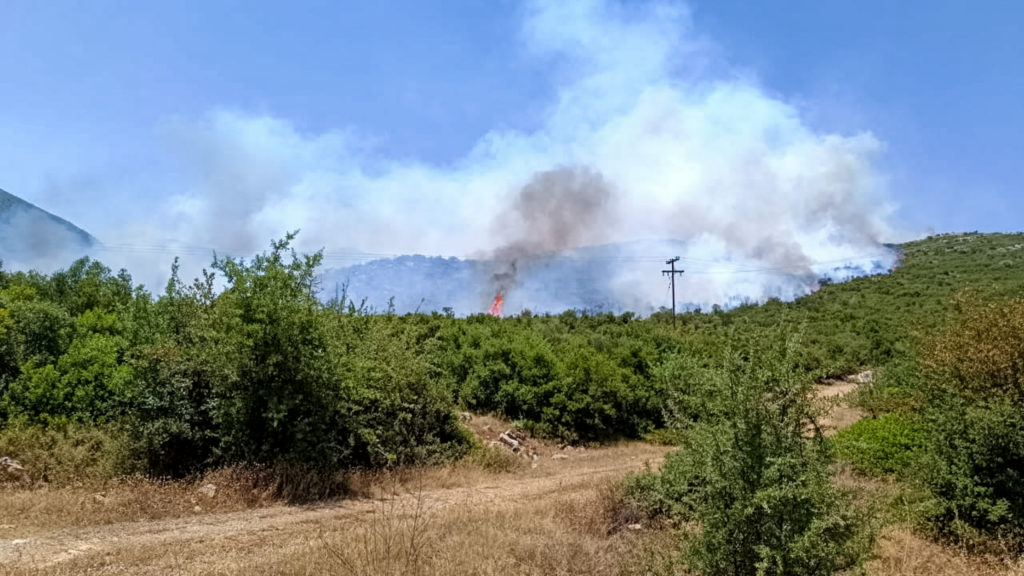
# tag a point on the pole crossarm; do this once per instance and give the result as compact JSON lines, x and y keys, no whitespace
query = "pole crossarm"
{"x":672,"y":274}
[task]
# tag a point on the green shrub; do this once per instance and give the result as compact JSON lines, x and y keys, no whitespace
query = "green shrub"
{"x":579,"y":378}
{"x":974,"y":420}
{"x":759,"y":489}
{"x":974,"y":467}
{"x":71,"y":453}
{"x":396,"y":413}
{"x":278,"y":399}
{"x":897,"y":387}
{"x":887,"y":445}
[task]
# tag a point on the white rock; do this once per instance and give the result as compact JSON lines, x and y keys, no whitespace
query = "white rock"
{"x":511,"y":442}
{"x":11,"y":469}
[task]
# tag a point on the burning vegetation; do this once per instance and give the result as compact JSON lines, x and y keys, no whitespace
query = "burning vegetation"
{"x":497,"y":305}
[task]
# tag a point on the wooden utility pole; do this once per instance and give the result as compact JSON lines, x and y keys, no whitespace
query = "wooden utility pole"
{"x":672,"y":274}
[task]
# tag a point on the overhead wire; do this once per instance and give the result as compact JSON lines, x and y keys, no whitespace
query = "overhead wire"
{"x":695,"y":266}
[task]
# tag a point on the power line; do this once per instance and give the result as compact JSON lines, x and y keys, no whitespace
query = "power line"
{"x":700,"y":266}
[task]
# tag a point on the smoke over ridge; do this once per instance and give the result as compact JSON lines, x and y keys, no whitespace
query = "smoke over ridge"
{"x":649,"y":138}
{"x":557,"y":210}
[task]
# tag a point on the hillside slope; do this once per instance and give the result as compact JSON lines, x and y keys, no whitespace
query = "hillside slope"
{"x":31,"y":236}
{"x":870,"y":320}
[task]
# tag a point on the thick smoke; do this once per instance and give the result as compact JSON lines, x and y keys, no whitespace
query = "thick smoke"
{"x":557,"y":210}
{"x":650,"y":138}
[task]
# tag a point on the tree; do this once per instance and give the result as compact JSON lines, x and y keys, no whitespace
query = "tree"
{"x":755,"y":477}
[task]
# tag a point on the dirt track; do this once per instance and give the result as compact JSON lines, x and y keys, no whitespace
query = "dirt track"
{"x":212,"y":535}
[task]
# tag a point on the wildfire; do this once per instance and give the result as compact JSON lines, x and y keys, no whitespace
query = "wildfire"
{"x":496,"y":306}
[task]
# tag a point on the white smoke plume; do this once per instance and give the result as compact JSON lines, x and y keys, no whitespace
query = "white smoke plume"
{"x":692,"y":151}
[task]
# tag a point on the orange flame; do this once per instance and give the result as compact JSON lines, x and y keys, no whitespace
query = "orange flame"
{"x":499,"y":302}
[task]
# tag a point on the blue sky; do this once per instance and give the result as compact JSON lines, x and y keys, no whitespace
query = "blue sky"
{"x":96,"y":98}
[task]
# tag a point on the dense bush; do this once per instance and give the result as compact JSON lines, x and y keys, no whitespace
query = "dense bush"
{"x":260,"y":371}
{"x":974,"y":467}
{"x":574,"y":377}
{"x":896,"y":387}
{"x":974,"y":417}
{"x":758,"y":487}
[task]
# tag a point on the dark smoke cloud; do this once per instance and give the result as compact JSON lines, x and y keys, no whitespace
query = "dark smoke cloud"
{"x":556,"y":210}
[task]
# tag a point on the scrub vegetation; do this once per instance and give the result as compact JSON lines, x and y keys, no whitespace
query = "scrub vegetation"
{"x":247,"y":368}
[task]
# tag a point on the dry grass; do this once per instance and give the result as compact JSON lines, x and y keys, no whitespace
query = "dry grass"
{"x":561,"y":517}
{"x":901,"y":552}
{"x":566,"y":535}
{"x":575,"y":533}
{"x":26,"y":511}
{"x":832,"y":399}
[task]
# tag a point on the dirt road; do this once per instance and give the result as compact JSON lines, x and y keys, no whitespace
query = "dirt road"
{"x":205,"y":539}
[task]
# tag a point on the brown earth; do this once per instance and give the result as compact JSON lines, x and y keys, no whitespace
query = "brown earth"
{"x":833,"y":399}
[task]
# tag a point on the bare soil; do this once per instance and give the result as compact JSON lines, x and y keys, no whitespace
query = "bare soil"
{"x":205,"y":542}
{"x":834,"y":398}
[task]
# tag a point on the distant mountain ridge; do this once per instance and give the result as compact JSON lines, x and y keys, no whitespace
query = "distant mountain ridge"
{"x":574,"y":279}
{"x":31,"y":236}
{"x":614,"y":278}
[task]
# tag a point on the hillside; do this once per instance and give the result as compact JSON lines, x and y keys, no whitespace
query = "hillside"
{"x":870,"y":320}
{"x":31,"y":236}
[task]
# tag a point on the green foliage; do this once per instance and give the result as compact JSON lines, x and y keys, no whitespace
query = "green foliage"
{"x":264,"y":373}
{"x":896,"y":387}
{"x":890,"y":444}
{"x":974,"y":418}
{"x":397,"y":412}
{"x":276,"y":401}
{"x":757,"y":486}
{"x":974,"y":467}
{"x":40,"y":330}
{"x":576,"y":377}
{"x":88,"y":384}
{"x":246,"y":364}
